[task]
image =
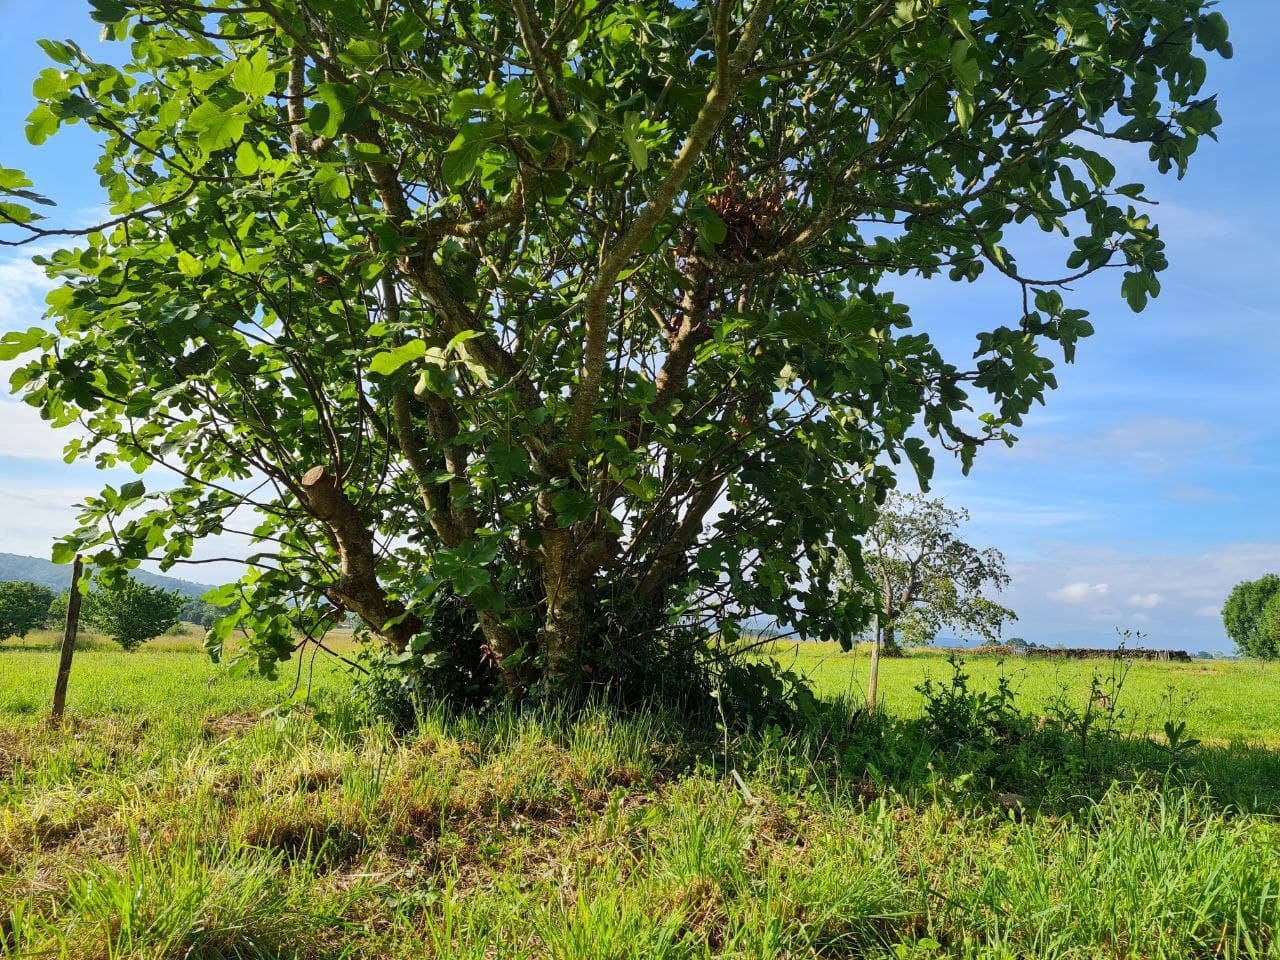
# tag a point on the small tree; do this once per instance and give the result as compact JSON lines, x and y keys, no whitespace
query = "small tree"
{"x":926,"y":578}
{"x":1251,"y":616}
{"x":23,"y":607}
{"x":130,"y":612}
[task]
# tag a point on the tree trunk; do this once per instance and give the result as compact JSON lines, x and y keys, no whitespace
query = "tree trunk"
{"x":873,"y":680}
{"x":562,"y":629}
{"x":889,"y":643}
{"x":68,"y":644}
{"x":357,"y":588}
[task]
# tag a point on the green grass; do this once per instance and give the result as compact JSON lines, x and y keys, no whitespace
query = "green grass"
{"x":169,"y":676}
{"x":1221,"y":700}
{"x":165,"y":820}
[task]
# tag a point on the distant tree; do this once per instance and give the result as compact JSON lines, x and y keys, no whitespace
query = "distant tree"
{"x":57,"y":610}
{"x":1268,"y":639}
{"x":1251,"y":616}
{"x":130,"y":612}
{"x":23,"y":607}
{"x":925,"y":578}
{"x":201,"y":612}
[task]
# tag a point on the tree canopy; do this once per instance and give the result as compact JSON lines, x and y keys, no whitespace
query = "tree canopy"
{"x":1251,"y":616}
{"x":572,"y":323}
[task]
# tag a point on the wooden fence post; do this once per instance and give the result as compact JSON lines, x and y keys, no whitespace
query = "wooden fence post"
{"x":68,"y":644}
{"x":873,"y":681}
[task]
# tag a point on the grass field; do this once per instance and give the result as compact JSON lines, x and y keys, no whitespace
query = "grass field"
{"x":167,"y":819}
{"x":1221,"y":700}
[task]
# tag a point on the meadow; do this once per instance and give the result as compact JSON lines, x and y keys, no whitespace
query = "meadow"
{"x":171,"y":818}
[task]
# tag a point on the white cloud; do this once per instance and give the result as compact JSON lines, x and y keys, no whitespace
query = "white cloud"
{"x":23,"y":286}
{"x":1054,"y":593}
{"x":23,"y":434}
{"x":1081,"y":592}
{"x":1147,"y":601}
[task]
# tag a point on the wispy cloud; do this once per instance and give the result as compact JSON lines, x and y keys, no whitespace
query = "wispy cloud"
{"x":23,"y":286}
{"x":1146,"y":601}
{"x":1080,"y":592}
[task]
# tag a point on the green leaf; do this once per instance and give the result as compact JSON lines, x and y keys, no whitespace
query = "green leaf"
{"x":638,"y":149}
{"x":133,"y":490}
{"x":921,"y":460}
{"x":108,"y":11}
{"x":461,"y":338}
{"x":57,"y":52}
{"x":340,"y":110}
{"x":1101,"y":170}
{"x":253,"y":76}
{"x":967,"y":69}
{"x":188,"y":265}
{"x":42,"y":123}
{"x":1212,"y":32}
{"x":246,"y":158}
{"x":711,"y":229}
{"x":14,"y":343}
{"x":462,"y":156}
{"x":218,"y":127}
{"x":12,"y":180}
{"x":48,"y":84}
{"x":571,"y":506}
{"x":389,"y":361}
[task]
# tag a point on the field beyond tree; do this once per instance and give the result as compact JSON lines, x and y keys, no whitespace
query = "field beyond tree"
{"x":171,"y":818}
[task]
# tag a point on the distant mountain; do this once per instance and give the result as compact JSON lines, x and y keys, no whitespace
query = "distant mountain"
{"x":14,"y":566}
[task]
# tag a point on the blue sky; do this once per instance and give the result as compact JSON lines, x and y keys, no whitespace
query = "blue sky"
{"x":1136,"y":498}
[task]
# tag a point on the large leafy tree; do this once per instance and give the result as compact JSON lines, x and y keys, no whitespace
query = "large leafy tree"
{"x":1251,"y":616}
{"x":923,"y":578}
{"x":568,"y":322}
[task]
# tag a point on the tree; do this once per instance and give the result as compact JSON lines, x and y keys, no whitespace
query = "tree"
{"x":925,"y":578}
{"x":23,"y":607}
{"x":1251,"y":616}
{"x":201,"y":612}
{"x":573,"y":321}
{"x":130,"y":612}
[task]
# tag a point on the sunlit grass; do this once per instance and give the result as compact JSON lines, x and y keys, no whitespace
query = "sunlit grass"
{"x":167,"y":820}
{"x":1221,"y":700}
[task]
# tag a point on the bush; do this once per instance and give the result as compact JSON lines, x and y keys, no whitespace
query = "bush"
{"x":23,"y":607}
{"x":1251,"y":616}
{"x":956,"y":715}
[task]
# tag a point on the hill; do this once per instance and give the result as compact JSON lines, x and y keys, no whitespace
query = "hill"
{"x":14,"y":566}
